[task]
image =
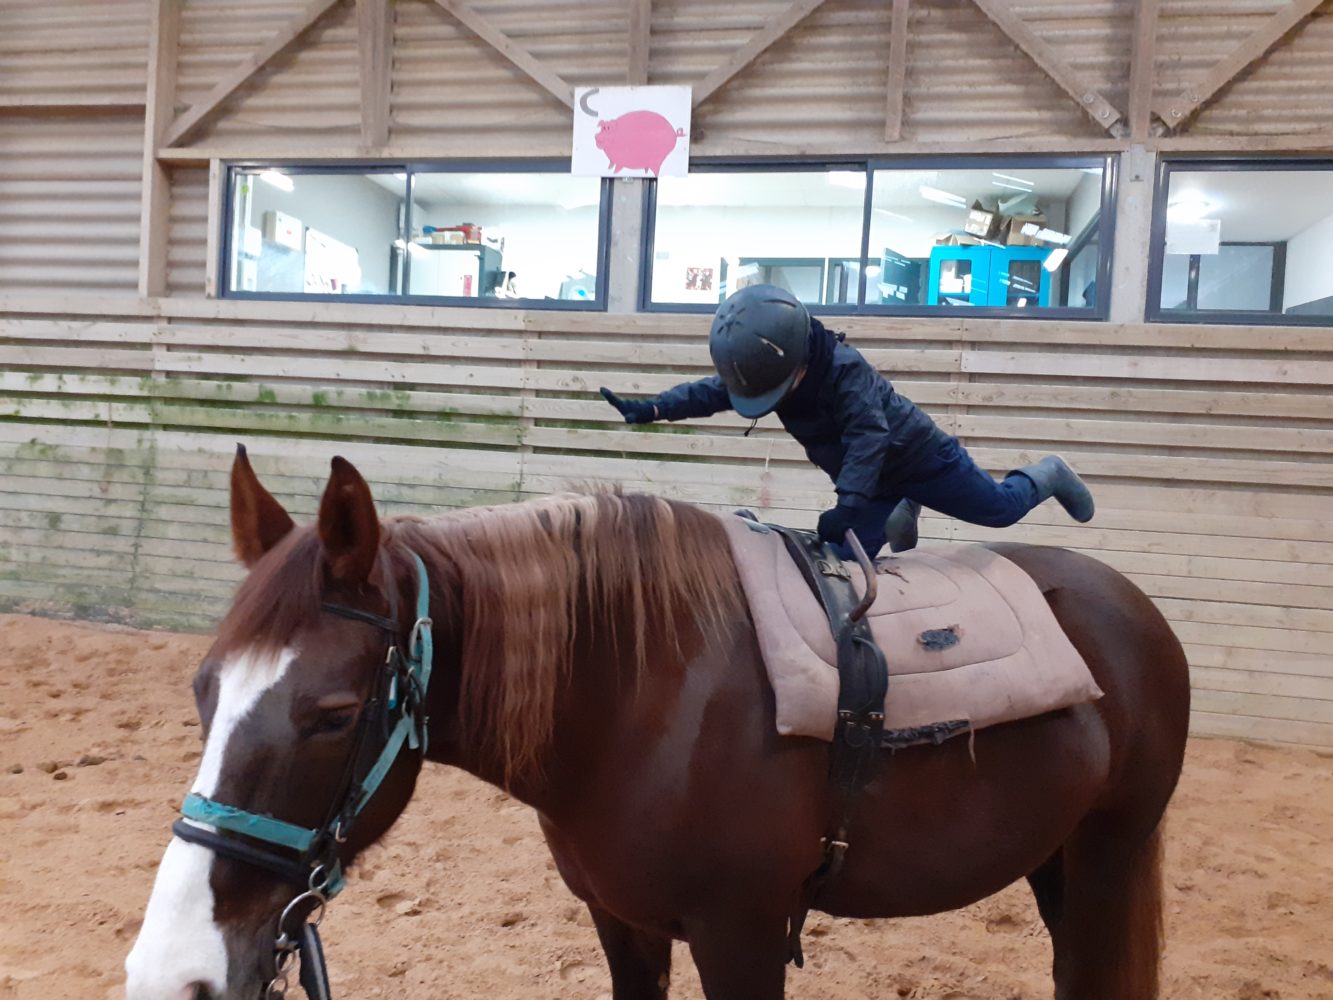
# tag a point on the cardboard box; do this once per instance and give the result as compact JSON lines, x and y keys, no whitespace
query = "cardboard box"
{"x":959,"y":240}
{"x":981,"y":222}
{"x":1013,"y":230}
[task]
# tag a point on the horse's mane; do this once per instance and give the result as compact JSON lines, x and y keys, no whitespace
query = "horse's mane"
{"x":522,"y":585}
{"x":642,"y":573}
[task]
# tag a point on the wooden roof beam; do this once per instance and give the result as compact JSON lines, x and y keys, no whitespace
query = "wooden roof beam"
{"x":1098,"y":107}
{"x":754,"y":48}
{"x":640,"y":31}
{"x":159,"y":107}
{"x":1143,"y":69}
{"x":893,"y":115}
{"x":279,"y":43}
{"x":1194,"y":96}
{"x":520,"y":57}
{"x":374,"y":38}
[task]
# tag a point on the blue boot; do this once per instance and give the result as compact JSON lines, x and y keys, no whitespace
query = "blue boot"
{"x":1054,"y":478}
{"x":901,"y":526}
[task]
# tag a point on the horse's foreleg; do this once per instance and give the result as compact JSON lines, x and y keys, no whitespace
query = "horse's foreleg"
{"x":640,"y":962}
{"x":741,"y":956}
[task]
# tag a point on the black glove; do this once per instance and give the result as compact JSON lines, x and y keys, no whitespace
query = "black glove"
{"x":635,"y":411}
{"x":869,"y":527}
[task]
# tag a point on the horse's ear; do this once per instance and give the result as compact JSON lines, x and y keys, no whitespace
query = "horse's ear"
{"x":258,"y":522}
{"x":349,"y":528}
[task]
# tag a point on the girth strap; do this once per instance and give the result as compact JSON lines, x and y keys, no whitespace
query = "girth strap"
{"x":863,"y":683}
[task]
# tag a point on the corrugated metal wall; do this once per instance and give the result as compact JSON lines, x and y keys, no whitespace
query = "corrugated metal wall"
{"x":1286,"y":93}
{"x":966,"y":81}
{"x":453,"y":90}
{"x":69,"y":204}
{"x":71,"y":52}
{"x":187,"y":233}
{"x":313,"y":92}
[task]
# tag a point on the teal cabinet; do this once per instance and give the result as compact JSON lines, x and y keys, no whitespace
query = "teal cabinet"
{"x":988,"y":276}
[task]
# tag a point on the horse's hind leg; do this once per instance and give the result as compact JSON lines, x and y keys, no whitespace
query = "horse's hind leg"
{"x":1048,"y":886}
{"x":640,"y":962}
{"x":1108,"y":933}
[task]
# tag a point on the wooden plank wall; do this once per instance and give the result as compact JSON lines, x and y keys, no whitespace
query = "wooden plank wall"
{"x":1209,"y":449}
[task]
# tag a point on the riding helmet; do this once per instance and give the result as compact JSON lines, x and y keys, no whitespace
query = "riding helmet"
{"x":760,"y":341}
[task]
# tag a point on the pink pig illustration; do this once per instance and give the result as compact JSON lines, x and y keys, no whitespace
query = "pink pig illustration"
{"x":638,"y":140}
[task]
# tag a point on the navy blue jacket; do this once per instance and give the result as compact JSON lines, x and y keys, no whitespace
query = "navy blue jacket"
{"x":844,"y":413}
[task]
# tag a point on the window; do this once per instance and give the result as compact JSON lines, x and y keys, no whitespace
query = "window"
{"x":1006,"y":236}
{"x":1243,"y":241}
{"x":417,"y":234}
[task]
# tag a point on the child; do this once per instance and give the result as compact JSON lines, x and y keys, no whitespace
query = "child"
{"x":885,"y":456}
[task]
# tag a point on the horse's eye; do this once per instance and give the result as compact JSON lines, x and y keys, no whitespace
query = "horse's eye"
{"x":333,"y":723}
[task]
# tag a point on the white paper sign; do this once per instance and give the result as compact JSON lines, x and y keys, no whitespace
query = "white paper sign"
{"x":1201,"y":236}
{"x":631,"y":132}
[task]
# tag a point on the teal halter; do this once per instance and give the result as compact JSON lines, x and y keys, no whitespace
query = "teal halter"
{"x":402,"y":702}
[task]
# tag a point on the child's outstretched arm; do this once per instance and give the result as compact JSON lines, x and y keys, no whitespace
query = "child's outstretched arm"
{"x":690,"y":399}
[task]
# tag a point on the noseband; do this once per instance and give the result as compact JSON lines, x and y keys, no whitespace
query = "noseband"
{"x":309,"y":860}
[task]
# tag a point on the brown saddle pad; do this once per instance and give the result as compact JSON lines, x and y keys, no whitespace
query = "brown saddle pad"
{"x":968,"y":638}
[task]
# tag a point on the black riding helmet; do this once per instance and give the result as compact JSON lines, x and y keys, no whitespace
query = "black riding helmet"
{"x":760,"y":341}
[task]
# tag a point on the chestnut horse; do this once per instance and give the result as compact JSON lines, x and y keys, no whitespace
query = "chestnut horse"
{"x":593,"y":657}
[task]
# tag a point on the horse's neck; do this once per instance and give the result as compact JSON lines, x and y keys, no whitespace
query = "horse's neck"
{"x":601,"y":706}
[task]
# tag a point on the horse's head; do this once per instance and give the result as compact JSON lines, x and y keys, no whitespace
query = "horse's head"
{"x":296,"y":704}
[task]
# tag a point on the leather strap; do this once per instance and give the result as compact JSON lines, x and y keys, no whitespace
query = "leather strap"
{"x":863,"y":683}
{"x":314,"y":977}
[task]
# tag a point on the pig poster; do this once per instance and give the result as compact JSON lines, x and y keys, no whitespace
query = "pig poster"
{"x":631,"y":132}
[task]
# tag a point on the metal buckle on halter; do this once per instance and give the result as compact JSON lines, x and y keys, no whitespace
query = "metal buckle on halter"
{"x":287,"y":945}
{"x":414,"y":639}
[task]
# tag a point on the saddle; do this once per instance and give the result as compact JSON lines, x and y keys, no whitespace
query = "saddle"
{"x":971,"y":642}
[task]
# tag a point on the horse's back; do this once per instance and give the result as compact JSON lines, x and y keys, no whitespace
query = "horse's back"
{"x":1128,"y":645}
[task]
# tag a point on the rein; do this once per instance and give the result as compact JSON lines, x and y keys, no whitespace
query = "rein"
{"x":397,"y":711}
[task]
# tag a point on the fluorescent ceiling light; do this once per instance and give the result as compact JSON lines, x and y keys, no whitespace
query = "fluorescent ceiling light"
{"x":279,"y":180}
{"x":1054,"y":259}
{"x":894,"y":215}
{"x":1022,"y":183}
{"x":847,"y":178}
{"x":941,"y":197}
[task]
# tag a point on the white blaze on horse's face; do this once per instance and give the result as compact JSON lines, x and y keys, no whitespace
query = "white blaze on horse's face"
{"x":179,"y":944}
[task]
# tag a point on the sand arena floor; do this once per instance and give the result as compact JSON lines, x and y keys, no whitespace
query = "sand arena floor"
{"x":98,"y":741}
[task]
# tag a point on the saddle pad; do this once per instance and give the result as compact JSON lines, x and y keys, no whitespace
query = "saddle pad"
{"x":968,"y":637}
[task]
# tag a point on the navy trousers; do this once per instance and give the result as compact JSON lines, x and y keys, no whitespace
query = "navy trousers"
{"x":950,"y":482}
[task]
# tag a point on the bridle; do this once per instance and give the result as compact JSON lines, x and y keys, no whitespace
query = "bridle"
{"x":309,"y":858}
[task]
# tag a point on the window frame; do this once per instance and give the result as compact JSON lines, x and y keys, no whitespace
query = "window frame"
{"x":1099,"y":312}
{"x":411,"y":168}
{"x":1166,"y":166}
